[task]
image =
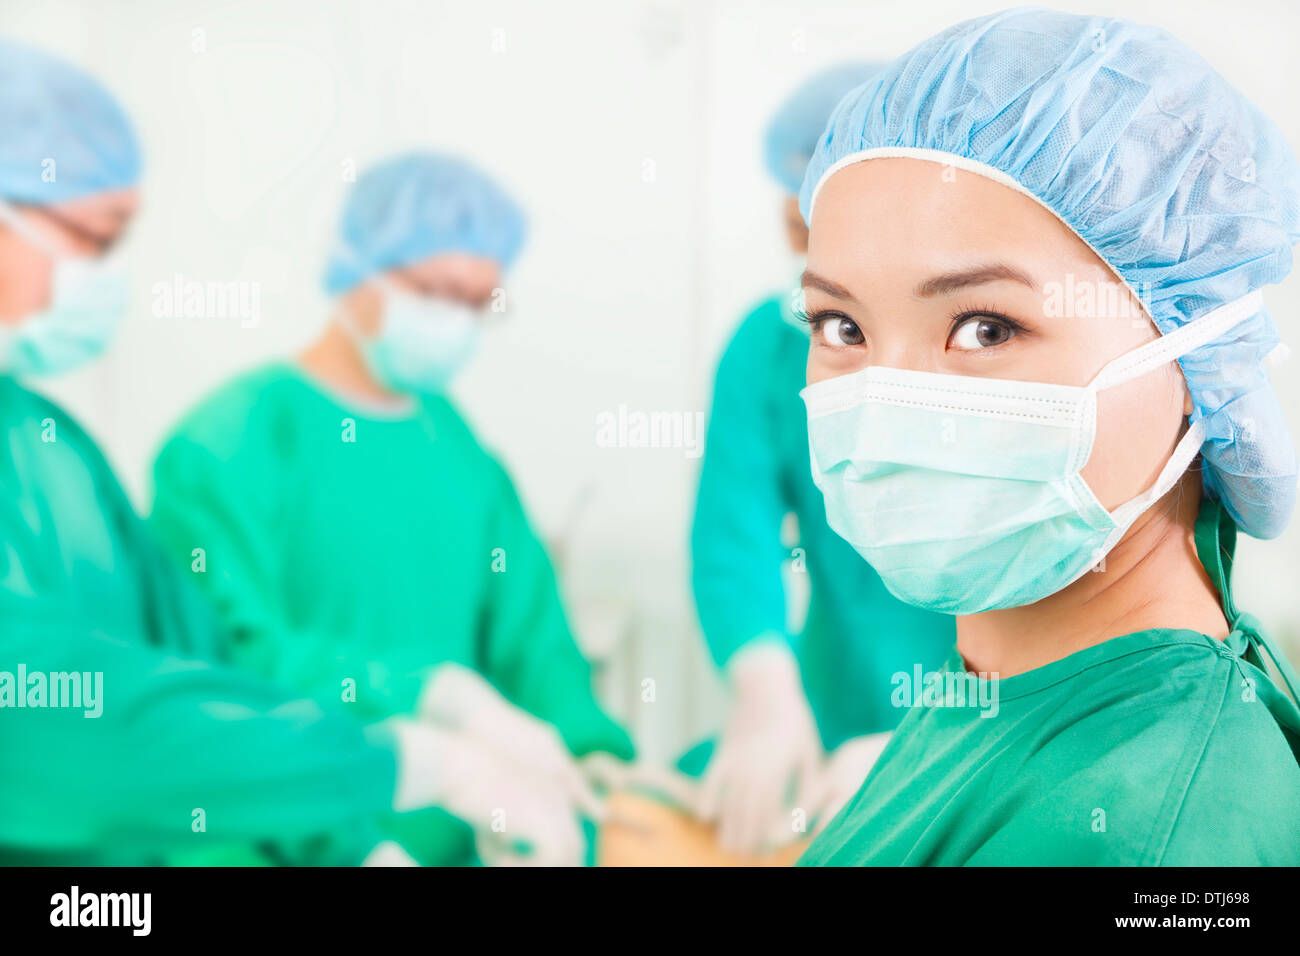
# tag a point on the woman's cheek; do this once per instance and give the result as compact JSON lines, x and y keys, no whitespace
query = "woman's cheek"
{"x":1138,"y":426}
{"x":825,"y":362}
{"x":820,"y":364}
{"x":26,"y":282}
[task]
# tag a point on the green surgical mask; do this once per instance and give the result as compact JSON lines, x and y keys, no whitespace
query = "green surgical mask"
{"x":965,"y":493}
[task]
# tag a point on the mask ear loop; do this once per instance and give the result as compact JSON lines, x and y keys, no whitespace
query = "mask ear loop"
{"x":1200,"y":331}
{"x":349,"y":321}
{"x":1184,"y":454}
{"x":1166,"y":349}
{"x":14,"y":220}
{"x":381,"y":282}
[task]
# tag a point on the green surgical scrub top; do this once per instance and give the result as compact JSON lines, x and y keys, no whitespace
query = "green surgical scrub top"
{"x":1161,"y":748}
{"x":350,"y":551}
{"x":179,"y":754}
{"x":755,"y":472}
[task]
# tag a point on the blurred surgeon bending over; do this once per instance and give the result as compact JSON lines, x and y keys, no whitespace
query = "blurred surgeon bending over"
{"x":185,"y":755}
{"x":362,"y":546}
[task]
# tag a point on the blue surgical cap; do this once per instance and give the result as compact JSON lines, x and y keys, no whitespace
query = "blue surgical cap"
{"x":792,"y":132}
{"x":411,"y":207}
{"x":62,"y":135}
{"x":1177,"y":181}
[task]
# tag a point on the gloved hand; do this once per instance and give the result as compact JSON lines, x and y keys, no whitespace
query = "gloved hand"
{"x":388,"y":853}
{"x":519,"y":817}
{"x":768,"y":757}
{"x":843,"y":773}
{"x":458,"y":697}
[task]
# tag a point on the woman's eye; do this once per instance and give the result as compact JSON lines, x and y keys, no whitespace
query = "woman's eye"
{"x":980,"y":332}
{"x":839,"y":332}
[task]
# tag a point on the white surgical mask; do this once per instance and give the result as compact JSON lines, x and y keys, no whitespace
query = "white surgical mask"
{"x":88,"y":299}
{"x":965,"y":493}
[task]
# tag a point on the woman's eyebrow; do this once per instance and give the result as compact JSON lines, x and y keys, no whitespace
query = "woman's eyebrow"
{"x":823,"y":284}
{"x":952,"y":281}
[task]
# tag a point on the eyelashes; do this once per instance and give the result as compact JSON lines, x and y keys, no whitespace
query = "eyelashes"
{"x":964,"y":313}
{"x":991,"y":328}
{"x":819,"y":318}
{"x":833,"y":329}
{"x":981,"y":330}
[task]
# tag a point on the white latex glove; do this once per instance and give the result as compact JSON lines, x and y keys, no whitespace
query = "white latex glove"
{"x":769,"y":750}
{"x":844,"y":772}
{"x":388,"y":853}
{"x":518,"y":817}
{"x":458,"y":697}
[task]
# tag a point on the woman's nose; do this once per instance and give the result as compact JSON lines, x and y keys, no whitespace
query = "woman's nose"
{"x":906,"y":352}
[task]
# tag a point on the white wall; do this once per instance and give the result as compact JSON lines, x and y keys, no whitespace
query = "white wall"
{"x":630,"y":130}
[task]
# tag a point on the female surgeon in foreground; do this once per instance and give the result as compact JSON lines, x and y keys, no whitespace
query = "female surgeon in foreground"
{"x":1036,"y":401}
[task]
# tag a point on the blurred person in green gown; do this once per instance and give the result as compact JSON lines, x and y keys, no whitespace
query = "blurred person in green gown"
{"x":360,"y":544}
{"x":811,"y":707}
{"x":124,"y":737}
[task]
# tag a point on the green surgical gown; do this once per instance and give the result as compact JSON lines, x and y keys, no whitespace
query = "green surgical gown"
{"x":755,"y":472}
{"x":188,"y":756}
{"x":349,"y":553}
{"x":1160,"y":748}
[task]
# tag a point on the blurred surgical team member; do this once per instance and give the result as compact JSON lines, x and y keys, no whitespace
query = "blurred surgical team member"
{"x":827,"y":687}
{"x":360,"y":544}
{"x":118,"y":743}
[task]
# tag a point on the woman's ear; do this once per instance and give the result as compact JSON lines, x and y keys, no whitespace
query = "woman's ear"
{"x":795,"y":228}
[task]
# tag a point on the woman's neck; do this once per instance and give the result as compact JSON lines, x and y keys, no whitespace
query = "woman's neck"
{"x":1151,"y":579}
